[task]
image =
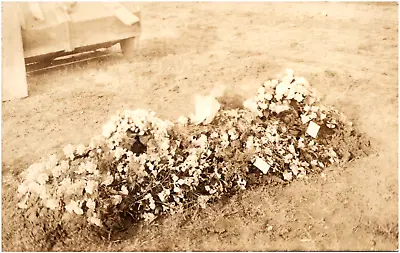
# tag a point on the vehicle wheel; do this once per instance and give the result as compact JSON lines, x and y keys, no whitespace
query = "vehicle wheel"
{"x":129,"y":46}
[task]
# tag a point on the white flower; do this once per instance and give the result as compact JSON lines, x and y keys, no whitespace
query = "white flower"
{"x":164,"y":145}
{"x":295,"y":169}
{"x":291,"y":93}
{"x":182,"y":120}
{"x":69,"y":151}
{"x":124,"y":190}
{"x":90,"y":204}
{"x":250,"y":142}
{"x":274,"y":83}
{"x":22,"y":205}
{"x":51,"y":162}
{"x":64,"y":166}
{"x":297,"y":88}
{"x":181,"y":181}
{"x":150,"y":166}
{"x":332,"y":153}
{"x":119,"y":152}
{"x":81,"y":169}
{"x":202,"y":200}
{"x":201,"y":141}
{"x":272,"y":106}
{"x":57,"y":171}
{"x":108,"y":180}
{"x":281,"y":108}
{"x":214,"y":135}
{"x":208,"y":188}
{"x":288,"y":158}
{"x":80,"y":149}
{"x":267,"y":83}
{"x":91,"y":167}
{"x":163,"y":194}
{"x":251,"y":105}
{"x":40,"y":190}
{"x":108,"y":129}
{"x":301,"y":143}
{"x":298,"y":97}
{"x":52,"y":204}
{"x":292,"y":149}
{"x":148,"y":196}
{"x":42,"y":178}
{"x":313,"y":115}
{"x":314,"y":108}
{"x":66,"y":186}
{"x":269,"y":96}
{"x":287,"y":176}
{"x":242,"y":183}
{"x":31,"y":173}
{"x":305,"y":119}
{"x":152,"y":205}
{"x":177,"y":189}
{"x":91,"y":186}
{"x":77,"y":187}
{"x":261,"y":90}
{"x":225,"y":137}
{"x":120,"y":167}
{"x":305,"y":164}
{"x":263,"y":106}
{"x":116,"y":199}
{"x":287,"y":79}
{"x":282,"y":89}
{"x":232,"y":133}
{"x":95,"y":220}
{"x":148,"y":217}
{"x":73,"y":207}
{"x":23,"y":188}
{"x":95,"y":142}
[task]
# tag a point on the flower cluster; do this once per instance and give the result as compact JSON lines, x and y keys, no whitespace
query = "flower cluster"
{"x":144,"y":166}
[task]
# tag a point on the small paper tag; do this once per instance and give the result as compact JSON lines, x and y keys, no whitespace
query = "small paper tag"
{"x":206,"y":108}
{"x":261,"y":165}
{"x":313,"y":129}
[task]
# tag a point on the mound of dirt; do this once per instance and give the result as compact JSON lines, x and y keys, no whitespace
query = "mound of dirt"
{"x":143,"y":167}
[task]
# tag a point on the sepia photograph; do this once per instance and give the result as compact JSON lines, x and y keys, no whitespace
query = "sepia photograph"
{"x":199,"y":126}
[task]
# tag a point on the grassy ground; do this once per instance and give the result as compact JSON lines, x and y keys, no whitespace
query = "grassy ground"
{"x":348,"y":51}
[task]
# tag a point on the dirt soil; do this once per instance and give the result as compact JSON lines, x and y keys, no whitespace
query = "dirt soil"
{"x":349,"y":53}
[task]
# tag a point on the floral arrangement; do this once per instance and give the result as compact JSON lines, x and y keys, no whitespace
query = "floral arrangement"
{"x":142,"y":166}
